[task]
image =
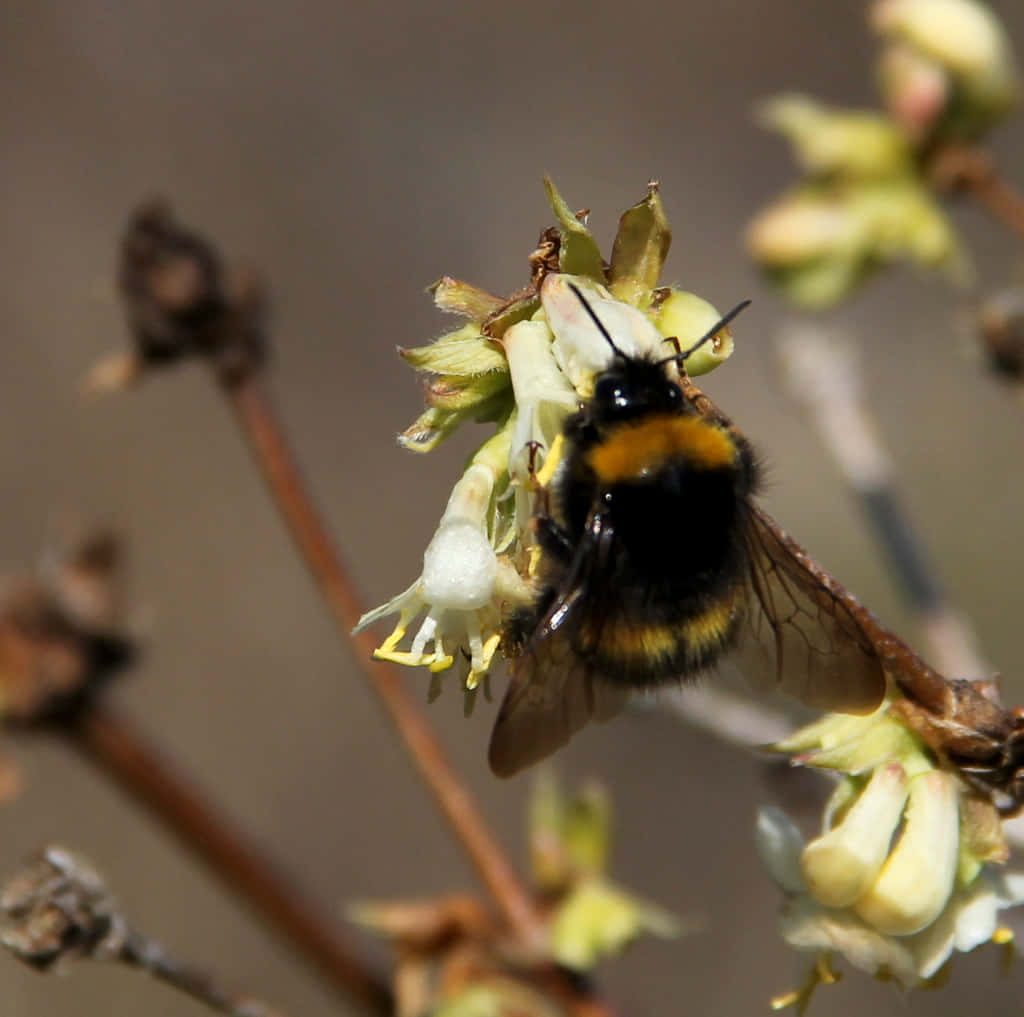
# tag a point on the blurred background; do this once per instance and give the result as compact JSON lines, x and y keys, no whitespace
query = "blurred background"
{"x":355,"y":153}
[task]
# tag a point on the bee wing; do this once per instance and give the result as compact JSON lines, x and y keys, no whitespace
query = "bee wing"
{"x":552,"y":692}
{"x":805,"y":633}
{"x":551,"y":696}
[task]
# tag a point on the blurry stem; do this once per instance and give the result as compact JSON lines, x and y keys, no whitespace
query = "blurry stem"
{"x":825,"y":376}
{"x":735,"y":719}
{"x":259,"y":422}
{"x":963,"y":168}
{"x":144,"y":953}
{"x":110,"y":740}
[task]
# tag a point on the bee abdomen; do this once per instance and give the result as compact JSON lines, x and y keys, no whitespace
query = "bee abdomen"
{"x":644,"y":649}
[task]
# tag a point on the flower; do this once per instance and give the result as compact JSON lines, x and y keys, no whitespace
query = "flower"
{"x":461,"y":588}
{"x":947,"y":69}
{"x":863,"y":204}
{"x":524,"y":365}
{"x":905,"y":871}
{"x":591,"y":917}
{"x":454,"y":956}
{"x":828,"y":142}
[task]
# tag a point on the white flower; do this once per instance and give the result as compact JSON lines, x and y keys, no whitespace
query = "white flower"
{"x":525,"y":364}
{"x":968,"y":919}
{"x":461,"y":588}
{"x":579,"y":347}
{"x":948,"y":65}
{"x":544,"y":397}
{"x":903,"y":872}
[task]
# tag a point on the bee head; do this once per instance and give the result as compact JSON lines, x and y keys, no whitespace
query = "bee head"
{"x":633,"y":387}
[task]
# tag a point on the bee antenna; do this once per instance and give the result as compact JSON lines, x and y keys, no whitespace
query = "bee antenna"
{"x":710,"y":334}
{"x":595,"y":319}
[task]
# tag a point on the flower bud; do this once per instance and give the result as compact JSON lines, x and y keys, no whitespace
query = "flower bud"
{"x":965,"y":41}
{"x":917,"y":879}
{"x":687,"y":318}
{"x":915,"y":90}
{"x":844,"y":142}
{"x":839,"y":866}
{"x":805,"y":225}
{"x":459,"y":564}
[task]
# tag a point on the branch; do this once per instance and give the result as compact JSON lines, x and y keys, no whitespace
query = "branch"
{"x":825,"y":377}
{"x":57,"y":909}
{"x":971,"y":170}
{"x":109,"y":740}
{"x":735,"y":719}
{"x":181,"y":301}
{"x":266,"y":439}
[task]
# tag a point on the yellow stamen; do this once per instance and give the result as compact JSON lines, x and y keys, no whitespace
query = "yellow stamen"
{"x":821,"y":973}
{"x":1004,"y":937}
{"x":551,"y":461}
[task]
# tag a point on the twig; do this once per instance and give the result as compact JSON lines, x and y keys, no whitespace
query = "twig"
{"x":109,"y":740}
{"x":180,"y":302}
{"x":57,"y":908}
{"x":963,"y":168}
{"x":825,"y":376}
{"x":259,"y":423}
{"x":735,"y":719}
{"x":151,"y":957}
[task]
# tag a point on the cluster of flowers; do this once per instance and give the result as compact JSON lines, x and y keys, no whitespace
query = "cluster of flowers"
{"x":524,"y":364}
{"x":946,"y":76}
{"x":906,"y":870}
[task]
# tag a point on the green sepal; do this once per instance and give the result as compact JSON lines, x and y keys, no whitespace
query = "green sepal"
{"x":465,"y":352}
{"x":518,"y":309}
{"x":458,"y":297}
{"x":579,"y":253}
{"x":639,"y":252}
{"x":435,"y":424}
{"x":597,"y":920}
{"x":452,"y":392}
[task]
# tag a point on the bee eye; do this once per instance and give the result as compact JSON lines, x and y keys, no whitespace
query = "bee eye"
{"x":610,"y":392}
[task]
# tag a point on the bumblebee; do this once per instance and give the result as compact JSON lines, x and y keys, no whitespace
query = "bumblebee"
{"x":656,"y":564}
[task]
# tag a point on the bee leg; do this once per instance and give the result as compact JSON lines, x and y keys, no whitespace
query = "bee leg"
{"x":533,"y":448}
{"x":541,"y":504}
{"x":552,"y":538}
{"x":701,"y":403}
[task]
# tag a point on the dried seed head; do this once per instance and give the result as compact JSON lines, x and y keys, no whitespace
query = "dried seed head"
{"x":57,"y":908}
{"x":181,"y":301}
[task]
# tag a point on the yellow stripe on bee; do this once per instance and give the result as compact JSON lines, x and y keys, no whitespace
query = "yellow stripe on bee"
{"x":635,"y":450}
{"x":705,"y":631}
{"x":708,"y":629}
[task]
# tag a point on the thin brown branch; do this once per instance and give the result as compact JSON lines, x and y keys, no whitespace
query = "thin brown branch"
{"x":150,"y":956}
{"x":110,"y":740}
{"x":182,"y":302}
{"x":259,"y":422}
{"x":972,"y":171}
{"x":57,"y":909}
